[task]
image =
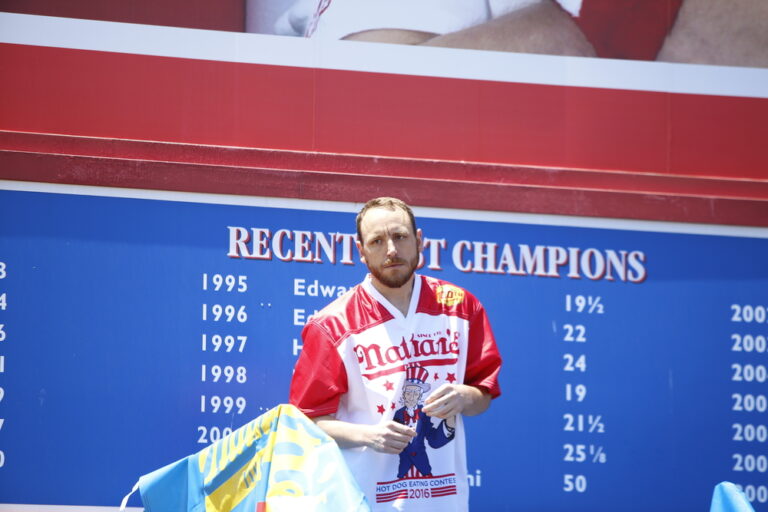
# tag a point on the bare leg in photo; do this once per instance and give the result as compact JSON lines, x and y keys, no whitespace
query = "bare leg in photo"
{"x":727,"y":33}
{"x":540,"y":28}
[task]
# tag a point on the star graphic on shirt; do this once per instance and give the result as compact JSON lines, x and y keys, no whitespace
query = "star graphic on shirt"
{"x":393,"y":405}
{"x":388,"y":386}
{"x":451,"y":378}
{"x":380,"y":409}
{"x":437,"y":376}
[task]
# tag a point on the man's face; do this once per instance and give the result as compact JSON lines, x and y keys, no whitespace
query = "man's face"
{"x":389,"y":247}
{"x":411,"y":396}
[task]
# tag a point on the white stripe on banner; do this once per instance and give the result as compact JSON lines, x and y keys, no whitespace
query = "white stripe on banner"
{"x":382,"y":58}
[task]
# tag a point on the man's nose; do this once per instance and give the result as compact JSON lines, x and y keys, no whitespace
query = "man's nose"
{"x":391,"y":249}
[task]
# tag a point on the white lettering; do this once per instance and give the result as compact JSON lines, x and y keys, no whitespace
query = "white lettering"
{"x":316,"y":289}
{"x":260,"y":237}
{"x":347,"y":243}
{"x":549,"y":261}
{"x":593,"y":264}
{"x":466,"y":255}
{"x":475,"y":480}
{"x":557,"y":258}
{"x":433,"y":247}
{"x":303,"y":241}
{"x":327,"y":291}
{"x":636,"y":260}
{"x":299,"y":316}
{"x":327,"y":245}
{"x":457,"y":255}
{"x":573,"y":259}
{"x":508,"y":261}
{"x":277,"y":244}
{"x":532,"y":262}
{"x":238,"y":240}
{"x":618,"y":262}
{"x":485,"y":257}
{"x":290,"y":245}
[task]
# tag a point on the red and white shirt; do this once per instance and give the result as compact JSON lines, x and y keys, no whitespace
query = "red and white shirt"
{"x":361,"y":353}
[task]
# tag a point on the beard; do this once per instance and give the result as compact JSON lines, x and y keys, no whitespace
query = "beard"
{"x":395,"y":279}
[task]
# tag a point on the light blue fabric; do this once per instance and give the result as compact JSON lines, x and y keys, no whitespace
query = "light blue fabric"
{"x":728,"y":498}
{"x":280,"y":461}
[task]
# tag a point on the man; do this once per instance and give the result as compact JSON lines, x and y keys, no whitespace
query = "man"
{"x":390,"y":332}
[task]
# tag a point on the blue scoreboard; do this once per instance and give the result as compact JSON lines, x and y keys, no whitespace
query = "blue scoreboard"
{"x":138,"y":327}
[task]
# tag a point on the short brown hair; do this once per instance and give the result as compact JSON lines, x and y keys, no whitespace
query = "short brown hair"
{"x":384,"y":202}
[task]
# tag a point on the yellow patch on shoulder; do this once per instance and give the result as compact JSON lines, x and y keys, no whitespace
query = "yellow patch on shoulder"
{"x":449,"y":295}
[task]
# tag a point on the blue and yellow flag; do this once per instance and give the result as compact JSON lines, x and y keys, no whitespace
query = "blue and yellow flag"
{"x":280,"y":461}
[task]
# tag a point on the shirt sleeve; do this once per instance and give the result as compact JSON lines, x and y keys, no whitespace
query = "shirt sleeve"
{"x":483,"y":358}
{"x":319,"y":378}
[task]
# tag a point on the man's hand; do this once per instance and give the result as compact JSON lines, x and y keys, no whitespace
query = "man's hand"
{"x":390,"y":437}
{"x":451,"y":399}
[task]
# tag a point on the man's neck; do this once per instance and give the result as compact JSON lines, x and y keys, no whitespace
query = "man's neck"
{"x":398,"y":297}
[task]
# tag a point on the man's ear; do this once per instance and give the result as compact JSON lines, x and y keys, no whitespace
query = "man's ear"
{"x":360,"y":250}
{"x":419,"y":239}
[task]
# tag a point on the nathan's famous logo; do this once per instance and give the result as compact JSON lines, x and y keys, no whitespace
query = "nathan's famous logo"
{"x":449,"y":295}
{"x":373,"y":358}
